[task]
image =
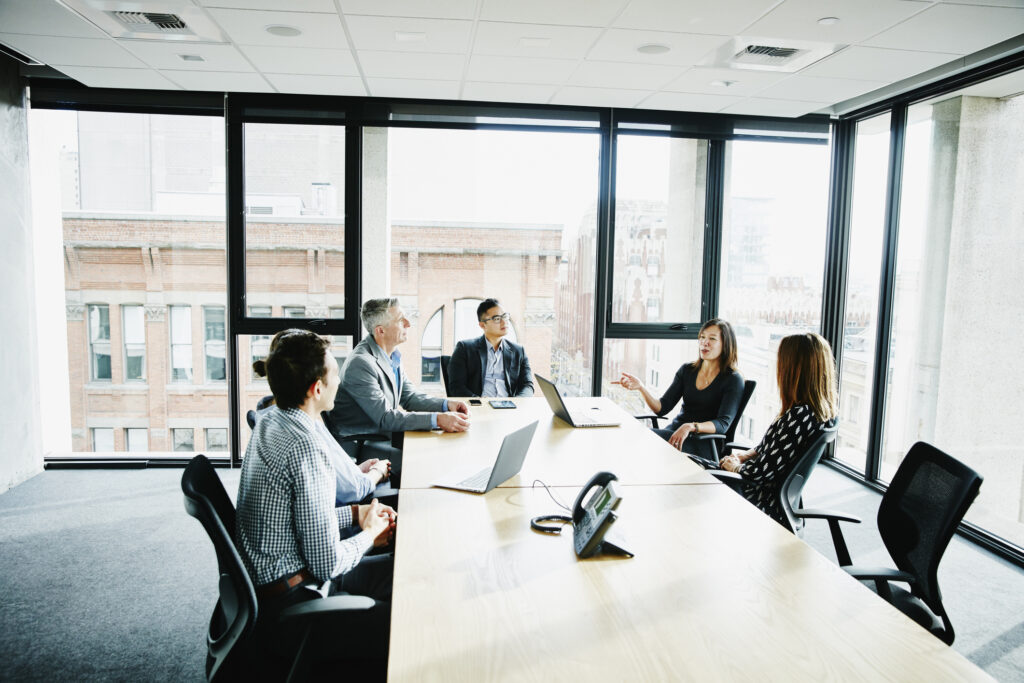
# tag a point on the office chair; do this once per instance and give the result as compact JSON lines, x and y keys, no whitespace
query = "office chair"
{"x":715,"y":446}
{"x":229,"y":652}
{"x":445,"y":360}
{"x":919,"y":513}
{"x":250,"y":418}
{"x":791,"y":491}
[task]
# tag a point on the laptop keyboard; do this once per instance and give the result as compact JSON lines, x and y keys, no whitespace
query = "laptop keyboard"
{"x":478,"y":480}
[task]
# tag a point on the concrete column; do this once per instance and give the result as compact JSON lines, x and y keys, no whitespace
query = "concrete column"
{"x":376,"y":215}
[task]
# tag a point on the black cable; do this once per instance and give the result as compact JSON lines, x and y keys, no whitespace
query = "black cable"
{"x":536,"y":524}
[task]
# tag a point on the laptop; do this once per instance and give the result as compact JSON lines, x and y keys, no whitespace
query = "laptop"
{"x":508,"y":463}
{"x":588,"y":417}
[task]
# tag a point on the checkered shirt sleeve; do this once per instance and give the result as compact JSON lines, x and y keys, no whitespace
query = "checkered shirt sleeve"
{"x":286,"y":514}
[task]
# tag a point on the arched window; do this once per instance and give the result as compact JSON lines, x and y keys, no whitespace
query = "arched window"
{"x":430,"y":348}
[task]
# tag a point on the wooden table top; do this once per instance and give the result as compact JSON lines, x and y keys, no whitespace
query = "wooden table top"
{"x":717,"y":592}
{"x":560,"y":455}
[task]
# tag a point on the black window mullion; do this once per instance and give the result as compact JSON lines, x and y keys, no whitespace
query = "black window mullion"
{"x":353,"y":229}
{"x":713,"y":209}
{"x":837,"y":241}
{"x":886,"y":293}
{"x":235,"y":256}
{"x":605,"y":235}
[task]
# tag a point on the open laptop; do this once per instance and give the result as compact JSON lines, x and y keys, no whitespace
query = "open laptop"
{"x":508,"y":463}
{"x":588,"y":417}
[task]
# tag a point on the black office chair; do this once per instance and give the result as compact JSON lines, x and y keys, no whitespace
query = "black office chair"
{"x":445,"y":360}
{"x":229,"y":654}
{"x":715,"y":446}
{"x":250,"y":418}
{"x":791,"y":491}
{"x":919,"y":513}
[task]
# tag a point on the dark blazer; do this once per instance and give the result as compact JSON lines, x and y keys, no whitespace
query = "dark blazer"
{"x":469,"y":360}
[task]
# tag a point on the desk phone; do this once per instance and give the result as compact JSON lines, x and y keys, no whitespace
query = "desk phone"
{"x":591,"y":522}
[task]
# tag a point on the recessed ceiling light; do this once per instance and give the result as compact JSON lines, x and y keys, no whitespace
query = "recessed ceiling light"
{"x":724,"y":84}
{"x":410,"y":36}
{"x":192,"y":58}
{"x":527,"y":41}
{"x":653,"y":49}
{"x":283,"y":31}
{"x":828,"y":21}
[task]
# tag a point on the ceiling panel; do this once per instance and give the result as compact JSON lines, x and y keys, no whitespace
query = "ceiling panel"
{"x":215,"y":80}
{"x":877,"y":64}
{"x":858,"y":19}
{"x":953,"y":28}
{"x":595,"y":97}
{"x":418,"y":88}
{"x":162,"y":55}
{"x":438,"y":9}
{"x":507,"y":92}
{"x":694,"y":16}
{"x":519,"y":69}
{"x":732,"y":82}
{"x":45,"y":18}
{"x":249,"y":28}
{"x":685,"y":49}
{"x":316,"y":61}
{"x":677,"y":101}
{"x":621,"y":75}
{"x":422,"y":35}
{"x":811,"y":89}
{"x":96,"y":77}
{"x":533,"y":40}
{"x":566,"y":12}
{"x":290,"y":5}
{"x":77,"y":51}
{"x":408,"y":65}
{"x":318,"y":85}
{"x":757,"y":106}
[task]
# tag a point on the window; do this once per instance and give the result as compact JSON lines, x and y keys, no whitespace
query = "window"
{"x":181,"y":343}
{"x":259,"y":344}
{"x":216,"y":439}
{"x":133,"y":332}
{"x":294,"y":312}
{"x":213,"y":343}
{"x":103,"y":440}
{"x":430,"y":348}
{"x":137,"y":440}
{"x":99,"y":344}
{"x":653,"y":361}
{"x":183,"y":439}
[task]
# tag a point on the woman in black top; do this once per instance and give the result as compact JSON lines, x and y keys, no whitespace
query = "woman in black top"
{"x":806,"y":374}
{"x":710,"y":388}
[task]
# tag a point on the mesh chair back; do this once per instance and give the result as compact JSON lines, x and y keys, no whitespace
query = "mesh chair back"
{"x":445,"y":360}
{"x":793,"y":481}
{"x":235,"y":612}
{"x":748,"y":390}
{"x":919,"y":514}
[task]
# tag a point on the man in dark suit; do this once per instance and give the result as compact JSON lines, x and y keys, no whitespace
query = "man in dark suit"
{"x":490,"y":365}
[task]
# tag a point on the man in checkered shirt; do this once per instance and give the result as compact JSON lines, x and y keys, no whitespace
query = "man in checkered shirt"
{"x":288,"y":528}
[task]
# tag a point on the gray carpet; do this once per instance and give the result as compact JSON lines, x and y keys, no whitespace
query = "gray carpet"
{"x":106,"y":578}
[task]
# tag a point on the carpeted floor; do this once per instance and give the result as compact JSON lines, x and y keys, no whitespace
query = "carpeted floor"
{"x":106,"y":578}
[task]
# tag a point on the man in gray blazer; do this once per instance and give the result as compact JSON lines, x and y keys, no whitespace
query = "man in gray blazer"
{"x":375,"y":395}
{"x":490,"y":365}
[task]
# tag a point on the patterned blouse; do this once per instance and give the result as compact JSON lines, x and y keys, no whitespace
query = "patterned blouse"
{"x":764,"y":473}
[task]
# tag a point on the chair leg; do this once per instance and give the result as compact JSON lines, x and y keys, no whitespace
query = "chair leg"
{"x":842,"y":552}
{"x":300,"y":668}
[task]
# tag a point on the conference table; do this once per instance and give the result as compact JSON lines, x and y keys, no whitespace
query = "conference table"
{"x":716,"y":589}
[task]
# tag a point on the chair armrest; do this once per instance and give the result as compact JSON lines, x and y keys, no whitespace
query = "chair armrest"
{"x":736,"y":446}
{"x":730,"y":479}
{"x":649,"y":416}
{"x":329,"y":605}
{"x":881,"y":576}
{"x":362,"y":437}
{"x":838,"y":540}
{"x":706,"y":437}
{"x":703,"y":462}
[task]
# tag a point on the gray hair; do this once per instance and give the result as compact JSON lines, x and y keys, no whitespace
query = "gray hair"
{"x":376,"y":312}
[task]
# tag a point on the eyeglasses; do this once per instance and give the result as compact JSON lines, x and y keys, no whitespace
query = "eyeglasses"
{"x":497,"y":318}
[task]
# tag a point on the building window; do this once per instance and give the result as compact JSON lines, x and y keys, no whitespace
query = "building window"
{"x":103,"y":438}
{"x":181,"y":343}
{"x":216,"y":439}
{"x":853,"y":408}
{"x":259,"y":344}
{"x":136,"y":440}
{"x":430,"y":348}
{"x":213,"y":343}
{"x":134,"y":333}
{"x":295,"y":311}
{"x":99,"y":344}
{"x":183,"y":439}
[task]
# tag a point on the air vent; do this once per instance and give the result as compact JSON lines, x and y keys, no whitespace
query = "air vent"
{"x":152,"y":22}
{"x":767,"y":55}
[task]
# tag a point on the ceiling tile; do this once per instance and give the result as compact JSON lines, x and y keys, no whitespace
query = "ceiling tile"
{"x":521,"y":40}
{"x":68,"y":51}
{"x":380,"y":33}
{"x":96,"y":77}
{"x":565,"y":12}
{"x":167,"y":55}
{"x":423,"y":89}
{"x":694,"y":16}
{"x":996,"y":3}
{"x":743,"y":82}
{"x":599,"y":97}
{"x":437,"y":9}
{"x":812,"y":89}
{"x":430,"y":65}
{"x":677,"y":101}
{"x":293,"y":5}
{"x":520,"y":69}
{"x":298,"y":60}
{"x":317,"y":85}
{"x":218,"y":81}
{"x":620,"y":45}
{"x":858,"y":19}
{"x":249,"y":28}
{"x":961,"y":29}
{"x":877,"y":64}
{"x":620,"y":75}
{"x":507,"y":92}
{"x":757,"y":106}
{"x":45,"y":19}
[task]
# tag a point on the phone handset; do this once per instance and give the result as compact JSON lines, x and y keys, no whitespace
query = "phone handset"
{"x":591,"y":521}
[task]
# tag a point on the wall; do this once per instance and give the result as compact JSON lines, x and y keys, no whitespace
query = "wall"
{"x":21,"y":456}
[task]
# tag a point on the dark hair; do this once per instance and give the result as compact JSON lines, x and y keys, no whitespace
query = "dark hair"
{"x":485,"y":305}
{"x":806,"y":373}
{"x":260,"y":366}
{"x":729,"y":357}
{"x":296,"y":360}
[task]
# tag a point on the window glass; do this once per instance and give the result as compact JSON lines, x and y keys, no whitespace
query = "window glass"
{"x":137,"y":440}
{"x":955,"y":367}
{"x":99,"y":341}
{"x":653,"y":361}
{"x":134,"y":333}
{"x":213,"y":342}
{"x":430,"y":348}
{"x":259,"y":344}
{"x":658,"y":257}
{"x":103,"y":440}
{"x":181,"y":343}
{"x":774,"y":223}
{"x":216,"y":439}
{"x":183,"y":439}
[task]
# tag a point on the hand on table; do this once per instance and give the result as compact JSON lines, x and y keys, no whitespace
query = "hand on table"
{"x":458,"y":407}
{"x":453,"y":422}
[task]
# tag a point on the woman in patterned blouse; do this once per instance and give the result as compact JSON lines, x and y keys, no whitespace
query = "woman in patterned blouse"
{"x":806,"y":374}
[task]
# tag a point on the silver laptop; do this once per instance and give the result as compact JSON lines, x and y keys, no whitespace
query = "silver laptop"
{"x":587,"y":417}
{"x":508,"y":463}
